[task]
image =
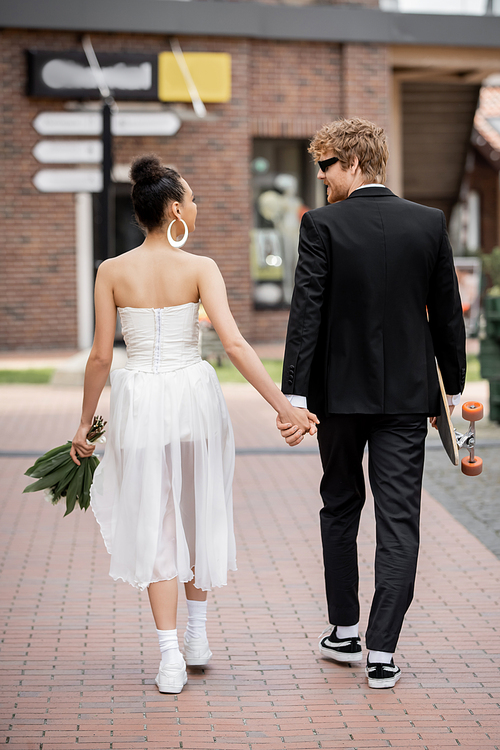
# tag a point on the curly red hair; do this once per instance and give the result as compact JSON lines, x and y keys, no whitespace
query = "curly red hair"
{"x":354,"y":138}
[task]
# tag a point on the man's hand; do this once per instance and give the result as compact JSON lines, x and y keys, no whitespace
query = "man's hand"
{"x":433,"y":420}
{"x":293,"y":433}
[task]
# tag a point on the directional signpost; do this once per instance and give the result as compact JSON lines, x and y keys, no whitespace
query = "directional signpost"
{"x":107,"y":122}
{"x":163,"y":123}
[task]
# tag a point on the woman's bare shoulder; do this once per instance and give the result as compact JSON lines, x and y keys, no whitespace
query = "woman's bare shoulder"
{"x":127,"y":257}
{"x":111,"y":265}
{"x":204,"y":263}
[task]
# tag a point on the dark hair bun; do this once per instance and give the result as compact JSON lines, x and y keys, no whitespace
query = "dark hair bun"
{"x":147,"y":169}
{"x":155,"y":187}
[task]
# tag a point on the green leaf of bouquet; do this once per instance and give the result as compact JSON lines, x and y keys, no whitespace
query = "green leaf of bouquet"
{"x":91,"y":465}
{"x":62,"y":485}
{"x":70,"y":505}
{"x":77,"y":481}
{"x":86,"y":485}
{"x":55,"y":451}
{"x":50,"y":465}
{"x":42,"y":462}
{"x":59,"y":448}
{"x":72,"y":491}
{"x":53,"y":478}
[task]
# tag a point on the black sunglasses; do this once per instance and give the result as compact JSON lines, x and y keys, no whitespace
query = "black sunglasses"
{"x":325,"y":163}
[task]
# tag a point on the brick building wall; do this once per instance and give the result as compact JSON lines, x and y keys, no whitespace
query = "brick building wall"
{"x":484,"y":179}
{"x":37,"y":251}
{"x":279,"y":90}
{"x":366,"y":79}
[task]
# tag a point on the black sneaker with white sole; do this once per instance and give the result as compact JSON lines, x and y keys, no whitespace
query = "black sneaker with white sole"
{"x":382,"y":675}
{"x":339,"y":649}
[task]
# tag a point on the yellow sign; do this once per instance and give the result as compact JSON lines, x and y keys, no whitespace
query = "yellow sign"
{"x":211,"y":73}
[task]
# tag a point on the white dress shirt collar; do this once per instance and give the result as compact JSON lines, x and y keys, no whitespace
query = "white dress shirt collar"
{"x":371,"y":184}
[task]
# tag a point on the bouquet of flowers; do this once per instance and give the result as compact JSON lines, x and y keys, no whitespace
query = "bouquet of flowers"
{"x":59,"y":476}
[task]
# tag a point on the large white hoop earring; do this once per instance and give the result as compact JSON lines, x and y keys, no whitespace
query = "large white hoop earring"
{"x":182,"y":241}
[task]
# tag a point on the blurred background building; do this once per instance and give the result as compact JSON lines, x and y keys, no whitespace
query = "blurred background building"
{"x":229,"y":92}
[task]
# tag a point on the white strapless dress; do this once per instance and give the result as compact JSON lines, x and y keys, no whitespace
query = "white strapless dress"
{"x":163,"y":492}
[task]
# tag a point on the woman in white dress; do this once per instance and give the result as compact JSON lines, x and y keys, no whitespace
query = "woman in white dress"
{"x":162,"y":493}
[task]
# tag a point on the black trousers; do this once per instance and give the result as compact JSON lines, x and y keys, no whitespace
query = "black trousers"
{"x":396,"y":461}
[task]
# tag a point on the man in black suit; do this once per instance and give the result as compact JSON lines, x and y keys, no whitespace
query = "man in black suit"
{"x":375,"y":303}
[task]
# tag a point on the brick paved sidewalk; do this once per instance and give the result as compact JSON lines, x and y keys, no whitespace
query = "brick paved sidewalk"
{"x":79,"y":652}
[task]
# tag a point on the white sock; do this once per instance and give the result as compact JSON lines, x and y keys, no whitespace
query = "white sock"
{"x":380,"y":657}
{"x":348,"y":631}
{"x":197,"y":620}
{"x":169,"y":646}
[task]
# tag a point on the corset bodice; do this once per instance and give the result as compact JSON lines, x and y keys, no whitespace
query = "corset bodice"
{"x":161,"y":339}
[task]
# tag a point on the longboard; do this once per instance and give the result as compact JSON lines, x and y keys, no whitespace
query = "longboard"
{"x":452,"y":440}
{"x":444,"y":425}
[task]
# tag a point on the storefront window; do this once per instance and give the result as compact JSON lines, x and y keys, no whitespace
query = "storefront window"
{"x":284,"y":188}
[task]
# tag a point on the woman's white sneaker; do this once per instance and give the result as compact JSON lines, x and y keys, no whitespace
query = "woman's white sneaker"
{"x":171,"y":678}
{"x":197,"y":652}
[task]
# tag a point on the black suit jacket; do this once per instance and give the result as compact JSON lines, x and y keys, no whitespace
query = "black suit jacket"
{"x":375,"y":301}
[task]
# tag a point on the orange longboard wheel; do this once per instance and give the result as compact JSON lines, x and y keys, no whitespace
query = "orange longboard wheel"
{"x":472,"y":468}
{"x":472,"y":411}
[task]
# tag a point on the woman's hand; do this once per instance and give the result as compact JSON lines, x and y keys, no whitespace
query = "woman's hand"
{"x":80,"y":447}
{"x":294,"y":423}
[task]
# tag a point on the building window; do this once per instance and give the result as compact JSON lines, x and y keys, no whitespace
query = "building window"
{"x":124,"y":231}
{"x":284,"y":187}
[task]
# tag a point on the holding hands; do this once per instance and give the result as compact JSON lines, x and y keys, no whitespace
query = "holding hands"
{"x":294,"y":423}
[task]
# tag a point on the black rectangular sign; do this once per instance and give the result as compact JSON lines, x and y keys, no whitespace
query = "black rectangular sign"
{"x":67,"y":75}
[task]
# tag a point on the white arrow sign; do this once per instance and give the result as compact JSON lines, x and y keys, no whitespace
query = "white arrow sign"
{"x":68,"y":180}
{"x":122,"y":123}
{"x":145,"y":123}
{"x":68,"y":152}
{"x":68,"y":123}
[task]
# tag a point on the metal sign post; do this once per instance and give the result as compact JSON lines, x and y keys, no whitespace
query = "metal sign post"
{"x":107,"y":165}
{"x":107,"y":249}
